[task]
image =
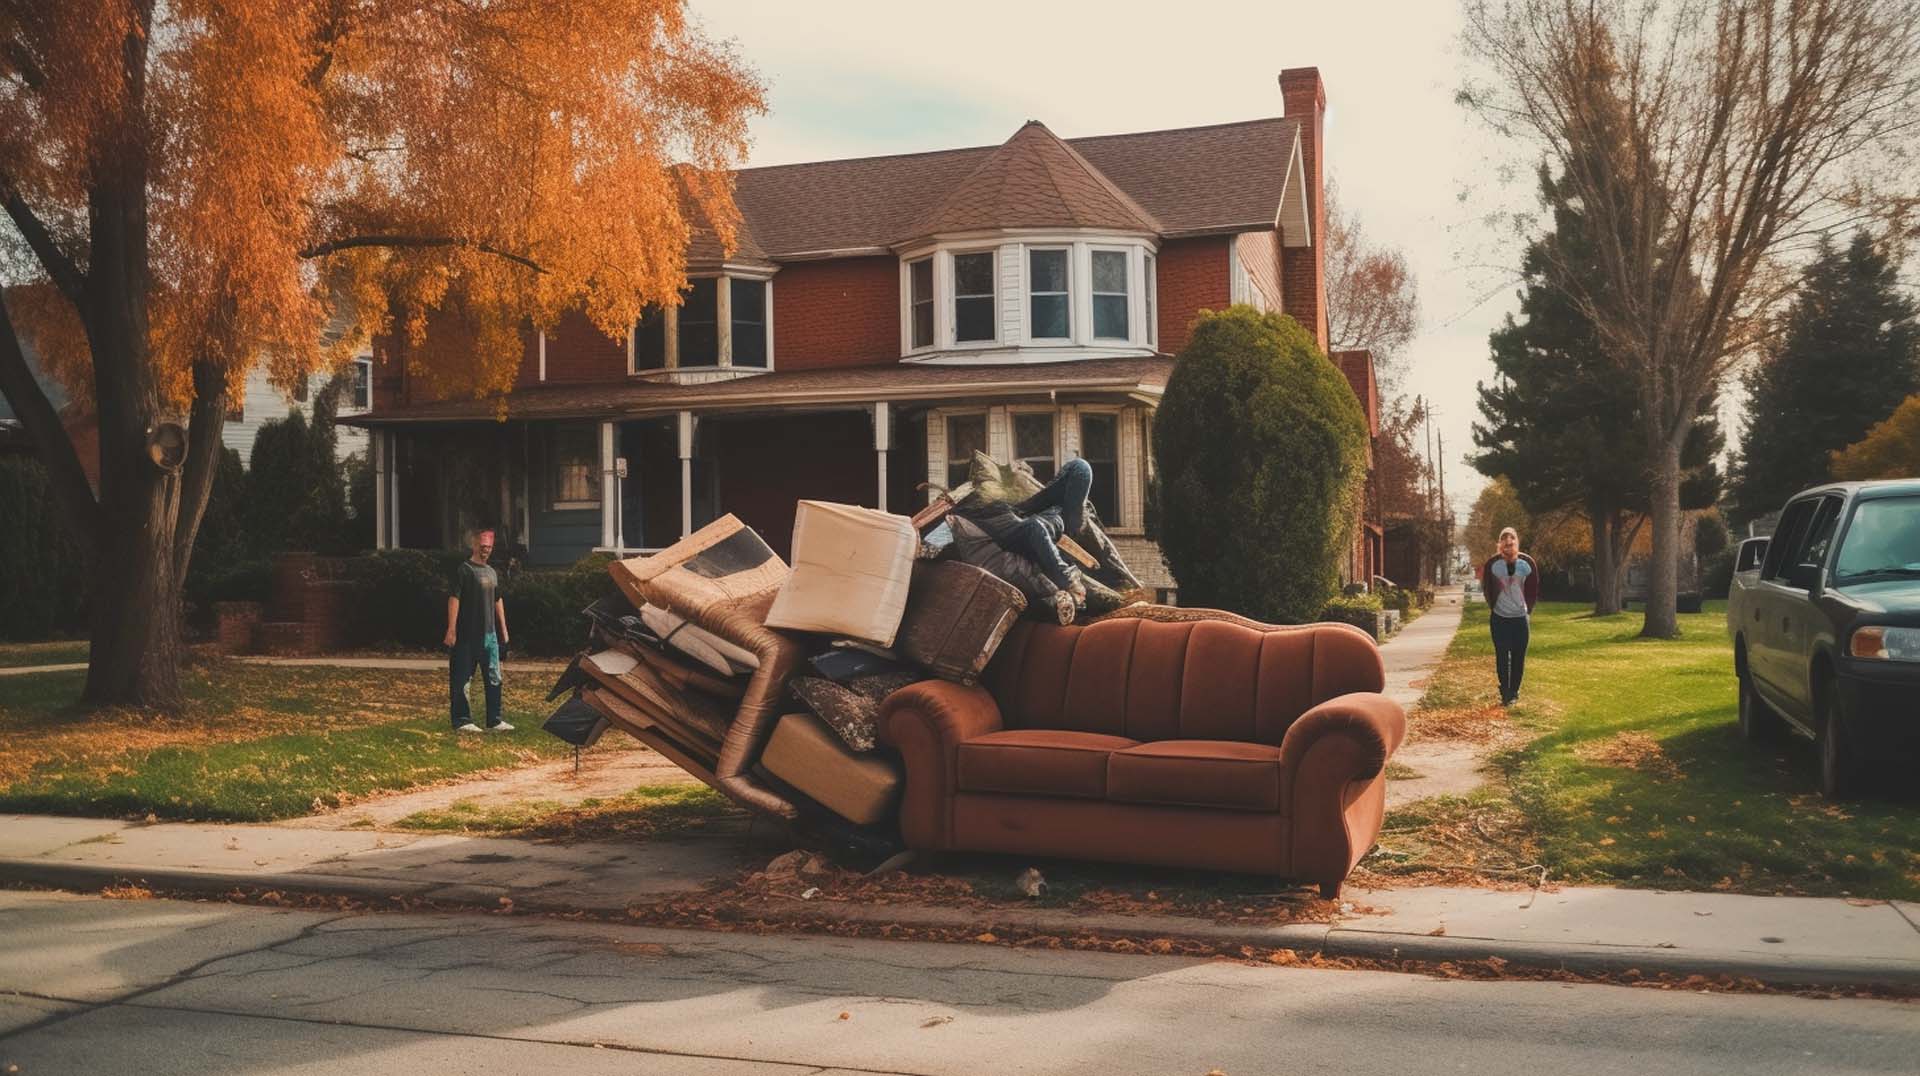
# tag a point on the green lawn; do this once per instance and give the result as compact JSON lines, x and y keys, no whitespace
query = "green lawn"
{"x":63,"y":652}
{"x":254,"y":743}
{"x":1635,"y":774}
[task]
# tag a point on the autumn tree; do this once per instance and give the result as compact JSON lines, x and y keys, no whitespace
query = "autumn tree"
{"x":1847,"y":355}
{"x":1709,"y":142}
{"x":1561,"y":424}
{"x":1890,"y":450}
{"x":196,"y":186}
{"x":1373,"y":301}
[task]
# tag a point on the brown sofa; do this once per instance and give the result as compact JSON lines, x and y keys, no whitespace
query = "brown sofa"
{"x":1212,"y":743}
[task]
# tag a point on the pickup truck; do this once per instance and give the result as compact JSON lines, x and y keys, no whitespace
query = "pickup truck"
{"x":1826,"y":629}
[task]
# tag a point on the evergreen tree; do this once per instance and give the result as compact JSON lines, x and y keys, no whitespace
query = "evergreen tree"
{"x":1562,"y":425}
{"x":1847,"y":355}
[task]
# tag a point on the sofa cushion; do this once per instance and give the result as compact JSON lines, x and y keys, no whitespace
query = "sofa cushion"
{"x":1039,"y":762}
{"x":1197,"y":773}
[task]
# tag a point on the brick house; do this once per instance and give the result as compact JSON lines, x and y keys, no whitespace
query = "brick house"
{"x":880,"y":319}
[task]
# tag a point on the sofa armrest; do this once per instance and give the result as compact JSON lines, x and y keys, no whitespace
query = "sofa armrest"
{"x":927,"y":722}
{"x":1375,"y":723}
{"x":1331,"y":772}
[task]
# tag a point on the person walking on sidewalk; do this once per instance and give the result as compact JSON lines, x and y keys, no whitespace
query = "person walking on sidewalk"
{"x":476,"y":627}
{"x":1512,"y":583}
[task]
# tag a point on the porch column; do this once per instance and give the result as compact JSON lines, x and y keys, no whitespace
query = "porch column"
{"x":379,"y":450}
{"x":607,"y":506}
{"x":686,"y":473}
{"x":723,"y":321}
{"x":882,"y":444}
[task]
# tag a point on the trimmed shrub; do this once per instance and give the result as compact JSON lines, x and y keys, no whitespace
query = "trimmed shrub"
{"x":1360,"y":610}
{"x":403,"y":601}
{"x":543,"y":608}
{"x":1261,"y":450}
{"x":43,"y":586}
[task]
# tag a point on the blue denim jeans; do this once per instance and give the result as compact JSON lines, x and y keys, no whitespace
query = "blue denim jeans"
{"x":466,"y":655}
{"x":1065,"y":499}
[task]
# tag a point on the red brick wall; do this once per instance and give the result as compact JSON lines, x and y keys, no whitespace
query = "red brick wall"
{"x":1193,"y":277}
{"x":576,"y":352}
{"x":1304,"y":268}
{"x":830,"y":457}
{"x":841,"y":312}
{"x":1260,"y":253}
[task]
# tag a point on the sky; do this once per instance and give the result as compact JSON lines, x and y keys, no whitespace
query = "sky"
{"x":851,"y":78}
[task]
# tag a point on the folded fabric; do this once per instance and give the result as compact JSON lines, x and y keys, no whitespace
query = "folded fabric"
{"x":725,"y":658}
{"x":851,"y":709}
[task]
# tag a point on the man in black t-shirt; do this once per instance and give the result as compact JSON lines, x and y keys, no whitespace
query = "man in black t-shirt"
{"x":476,"y":627}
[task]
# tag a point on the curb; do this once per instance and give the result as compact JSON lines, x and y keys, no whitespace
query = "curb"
{"x":1329,"y":940}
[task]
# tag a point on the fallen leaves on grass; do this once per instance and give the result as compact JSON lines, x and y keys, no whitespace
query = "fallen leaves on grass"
{"x":1468,"y":724}
{"x":1630,"y":750}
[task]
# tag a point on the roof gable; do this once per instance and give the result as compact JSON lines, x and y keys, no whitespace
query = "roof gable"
{"x":1033,"y":180}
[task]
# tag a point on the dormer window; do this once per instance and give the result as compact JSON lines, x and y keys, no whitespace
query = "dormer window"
{"x":973,"y":313}
{"x":700,"y":324}
{"x":749,"y":321}
{"x":921,"y":274}
{"x":721,"y":324}
{"x":1049,"y":300}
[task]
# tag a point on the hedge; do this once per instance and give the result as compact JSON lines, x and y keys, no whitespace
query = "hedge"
{"x":403,"y":601}
{"x":42,"y":576}
{"x":1261,"y":447}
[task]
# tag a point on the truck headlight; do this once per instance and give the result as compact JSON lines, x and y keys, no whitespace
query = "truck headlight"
{"x":1886,"y":644}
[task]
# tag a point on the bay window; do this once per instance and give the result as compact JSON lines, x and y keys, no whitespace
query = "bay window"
{"x":1049,"y":300}
{"x":749,"y":322}
{"x":921,"y":276}
{"x":1110,"y":295}
{"x":700,"y":323}
{"x":973,"y":311}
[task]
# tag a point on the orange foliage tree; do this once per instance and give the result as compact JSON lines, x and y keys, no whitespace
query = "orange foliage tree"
{"x":1891,"y":449}
{"x":195,"y":187}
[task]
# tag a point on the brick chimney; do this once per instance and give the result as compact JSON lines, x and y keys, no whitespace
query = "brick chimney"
{"x":1304,"y":269}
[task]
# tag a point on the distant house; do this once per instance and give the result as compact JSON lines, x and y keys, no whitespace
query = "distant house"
{"x":882,"y":319}
{"x":263,"y":402}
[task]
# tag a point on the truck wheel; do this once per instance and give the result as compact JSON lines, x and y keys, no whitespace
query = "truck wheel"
{"x":1758,"y":722}
{"x":1839,"y":742}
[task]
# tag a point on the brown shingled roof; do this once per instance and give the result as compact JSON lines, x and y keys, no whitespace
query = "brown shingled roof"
{"x":1189,"y":181}
{"x":795,"y":388}
{"x":1033,"y":180}
{"x":703,"y":242}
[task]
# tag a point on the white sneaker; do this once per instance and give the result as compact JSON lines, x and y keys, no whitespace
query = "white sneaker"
{"x":501,"y":727}
{"x":468,"y":727}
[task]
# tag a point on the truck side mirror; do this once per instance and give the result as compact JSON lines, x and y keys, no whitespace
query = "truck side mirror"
{"x":1803,"y":576}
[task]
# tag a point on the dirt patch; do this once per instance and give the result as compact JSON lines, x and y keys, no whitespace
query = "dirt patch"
{"x":1433,"y":768}
{"x":606,"y":770}
{"x":1474,"y":841}
{"x":1630,"y":751}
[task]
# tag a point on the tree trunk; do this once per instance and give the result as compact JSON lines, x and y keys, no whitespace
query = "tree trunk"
{"x":1606,"y":573}
{"x":135,"y":599}
{"x":1663,"y":620}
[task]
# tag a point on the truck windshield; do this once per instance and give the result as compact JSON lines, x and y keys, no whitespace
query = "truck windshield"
{"x":1882,"y":543}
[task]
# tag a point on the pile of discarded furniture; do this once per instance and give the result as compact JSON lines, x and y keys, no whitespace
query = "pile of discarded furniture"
{"x":901,"y":685}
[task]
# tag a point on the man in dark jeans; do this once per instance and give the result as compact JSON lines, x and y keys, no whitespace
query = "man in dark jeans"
{"x":474,"y":609}
{"x":1033,"y":527}
{"x":1512,"y":583}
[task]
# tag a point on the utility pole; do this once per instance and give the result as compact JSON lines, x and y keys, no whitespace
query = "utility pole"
{"x":1446,"y":515}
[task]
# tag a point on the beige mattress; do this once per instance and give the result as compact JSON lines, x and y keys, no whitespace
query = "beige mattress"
{"x":805,"y":753}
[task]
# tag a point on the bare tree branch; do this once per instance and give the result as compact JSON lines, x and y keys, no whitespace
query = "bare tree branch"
{"x":64,"y":472}
{"x":65,"y":274}
{"x":206,"y":417}
{"x":398,"y":242}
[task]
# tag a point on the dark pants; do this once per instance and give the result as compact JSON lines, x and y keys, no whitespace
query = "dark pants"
{"x":1510,"y":653}
{"x":1065,"y":500}
{"x":467,"y":654}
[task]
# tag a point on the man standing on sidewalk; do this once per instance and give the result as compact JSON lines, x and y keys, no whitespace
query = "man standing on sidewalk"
{"x":1512,"y":583}
{"x":475,"y":613}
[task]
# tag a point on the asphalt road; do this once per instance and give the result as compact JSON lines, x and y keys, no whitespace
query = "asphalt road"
{"x":90,"y":985}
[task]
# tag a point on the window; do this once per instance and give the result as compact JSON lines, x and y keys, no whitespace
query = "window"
{"x":1152,"y":295}
{"x":1883,"y":542}
{"x":1787,"y":538}
{"x":966,"y":434}
{"x":1033,"y":443}
{"x":1099,"y":446}
{"x":1048,"y":317}
{"x":921,"y":275}
{"x":749,"y":322}
{"x":650,"y":340}
{"x":1820,"y":534}
{"x":575,"y":460}
{"x":973,"y":314}
{"x":699,"y":326}
{"x":1110,"y":294}
{"x":361,"y":391}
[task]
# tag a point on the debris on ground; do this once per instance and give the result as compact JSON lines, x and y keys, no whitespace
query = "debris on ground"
{"x":1630,"y":751}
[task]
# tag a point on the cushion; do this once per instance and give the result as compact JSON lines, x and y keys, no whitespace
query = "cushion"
{"x":1039,"y":762}
{"x":851,"y":569}
{"x":851,"y":709}
{"x":1197,"y":773}
{"x":805,"y":754}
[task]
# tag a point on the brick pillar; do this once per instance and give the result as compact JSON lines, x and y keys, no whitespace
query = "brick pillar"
{"x":1304,"y":269}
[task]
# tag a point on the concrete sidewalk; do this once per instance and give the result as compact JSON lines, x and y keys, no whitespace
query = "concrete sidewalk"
{"x":1815,"y":941}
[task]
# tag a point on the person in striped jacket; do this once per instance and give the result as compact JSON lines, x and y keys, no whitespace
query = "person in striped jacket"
{"x":1512,"y":584}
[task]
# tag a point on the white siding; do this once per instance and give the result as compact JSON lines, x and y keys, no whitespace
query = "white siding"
{"x":264,"y":403}
{"x":1013,"y":293}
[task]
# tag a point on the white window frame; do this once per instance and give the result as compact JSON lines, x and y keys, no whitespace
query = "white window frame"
{"x":766,"y":314}
{"x":1150,"y":290}
{"x":1116,"y":413}
{"x":365,"y":362}
{"x":992,"y":254}
{"x":907,"y":344}
{"x":1026,"y":277}
{"x":1126,"y":273}
{"x":593,"y":469}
